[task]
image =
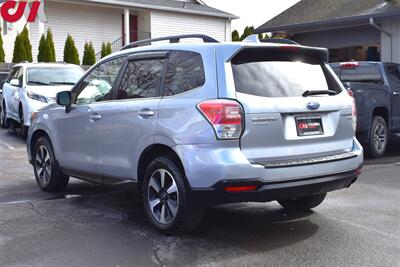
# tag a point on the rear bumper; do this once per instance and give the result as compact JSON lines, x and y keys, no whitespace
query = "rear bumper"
{"x":269,"y":191}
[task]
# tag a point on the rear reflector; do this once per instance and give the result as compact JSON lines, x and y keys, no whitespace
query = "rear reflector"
{"x":349,"y":65}
{"x":225,"y":116}
{"x":246,"y":188}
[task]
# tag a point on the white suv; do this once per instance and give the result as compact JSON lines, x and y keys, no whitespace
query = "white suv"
{"x":31,"y":86}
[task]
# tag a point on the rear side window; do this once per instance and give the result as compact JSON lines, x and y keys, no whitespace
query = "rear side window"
{"x":185,"y":72}
{"x":142,"y":79}
{"x":361,"y":74}
{"x":394,"y":74}
{"x":280,"y":78}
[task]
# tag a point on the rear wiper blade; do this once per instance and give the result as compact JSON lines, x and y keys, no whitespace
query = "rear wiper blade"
{"x":320,"y":92}
{"x":38,"y":82}
{"x":67,"y":83}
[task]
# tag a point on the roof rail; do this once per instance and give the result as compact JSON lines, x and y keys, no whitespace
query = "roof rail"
{"x":171,"y":39}
{"x":279,"y":41}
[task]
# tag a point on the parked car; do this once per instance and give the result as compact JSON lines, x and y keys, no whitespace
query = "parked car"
{"x":376,"y":88}
{"x":197,"y":125}
{"x":31,"y":86}
{"x":3,"y":78}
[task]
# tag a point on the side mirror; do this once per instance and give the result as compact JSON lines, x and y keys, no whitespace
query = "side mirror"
{"x":15,"y":82}
{"x":64,"y":99}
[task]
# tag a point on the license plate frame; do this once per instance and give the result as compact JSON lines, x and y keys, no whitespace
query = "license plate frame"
{"x":309,"y":125}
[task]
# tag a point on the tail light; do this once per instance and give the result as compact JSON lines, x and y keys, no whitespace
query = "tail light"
{"x":354,"y":109}
{"x":225,"y":116}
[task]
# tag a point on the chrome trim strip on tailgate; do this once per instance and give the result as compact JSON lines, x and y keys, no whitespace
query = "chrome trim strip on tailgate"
{"x":308,"y":161}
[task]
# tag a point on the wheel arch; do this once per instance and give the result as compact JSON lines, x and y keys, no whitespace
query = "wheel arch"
{"x":35,"y":136}
{"x":383,"y":112}
{"x":153,"y":151}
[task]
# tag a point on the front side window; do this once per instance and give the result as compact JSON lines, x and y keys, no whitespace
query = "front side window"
{"x":185,"y":72}
{"x":97,"y":86}
{"x":13,"y":73}
{"x":53,"y":76}
{"x":142,"y":79}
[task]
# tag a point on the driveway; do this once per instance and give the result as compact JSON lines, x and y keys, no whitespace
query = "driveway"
{"x":90,"y":225}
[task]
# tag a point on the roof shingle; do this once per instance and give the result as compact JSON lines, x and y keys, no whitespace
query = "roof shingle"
{"x":313,"y":11}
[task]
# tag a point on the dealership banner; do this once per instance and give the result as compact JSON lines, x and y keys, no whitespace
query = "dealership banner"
{"x":12,"y":11}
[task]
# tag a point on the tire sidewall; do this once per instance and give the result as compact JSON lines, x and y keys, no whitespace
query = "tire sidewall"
{"x":373,"y":151}
{"x":43,"y":141}
{"x":170,"y":166}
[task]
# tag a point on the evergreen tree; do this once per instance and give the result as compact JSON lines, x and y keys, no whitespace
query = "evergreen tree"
{"x":26,"y":43}
{"x":71,"y":54}
{"x":109,"y":49}
{"x":42,"y":47}
{"x":19,"y":53}
{"x":52,"y":50}
{"x":235,"y":36}
{"x":103,"y":50}
{"x":2,"y":54}
{"x":89,"y":55}
{"x":247,"y":32}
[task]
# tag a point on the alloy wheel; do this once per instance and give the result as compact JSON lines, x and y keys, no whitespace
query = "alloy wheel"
{"x":163,"y":196}
{"x":380,"y":137}
{"x":43,"y":165}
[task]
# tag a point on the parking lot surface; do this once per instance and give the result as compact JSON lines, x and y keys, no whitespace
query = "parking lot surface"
{"x":92,"y":225}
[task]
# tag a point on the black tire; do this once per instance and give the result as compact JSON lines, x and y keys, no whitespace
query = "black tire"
{"x":55,"y":181}
{"x":302,"y":203}
{"x":378,"y":138}
{"x":188,"y":215}
{"x":23,"y":129}
{"x":3,"y":119}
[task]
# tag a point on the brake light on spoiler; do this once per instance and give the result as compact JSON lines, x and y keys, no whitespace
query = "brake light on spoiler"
{"x":349,"y":65}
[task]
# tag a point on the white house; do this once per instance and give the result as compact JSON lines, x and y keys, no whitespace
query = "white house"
{"x":100,"y":21}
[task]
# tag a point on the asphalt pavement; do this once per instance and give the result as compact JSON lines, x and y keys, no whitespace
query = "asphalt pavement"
{"x":91,"y":225}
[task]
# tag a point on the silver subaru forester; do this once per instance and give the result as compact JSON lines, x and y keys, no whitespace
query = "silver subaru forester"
{"x":197,"y":125}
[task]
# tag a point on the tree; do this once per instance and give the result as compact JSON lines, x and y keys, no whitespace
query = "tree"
{"x":106,"y":49}
{"x":89,"y":55}
{"x":52,"y":50}
{"x":247,"y":32}
{"x":235,"y":36}
{"x":71,"y":54}
{"x":2,"y":54}
{"x":19,"y":53}
{"x":27,"y":44}
{"x":109,"y":48}
{"x":42,"y":47}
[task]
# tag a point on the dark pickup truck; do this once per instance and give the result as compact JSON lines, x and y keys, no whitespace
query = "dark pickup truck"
{"x":376,"y":88}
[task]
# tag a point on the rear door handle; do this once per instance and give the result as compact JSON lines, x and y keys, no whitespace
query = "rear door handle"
{"x":95,"y":117}
{"x":396,"y":93}
{"x":146,"y":113}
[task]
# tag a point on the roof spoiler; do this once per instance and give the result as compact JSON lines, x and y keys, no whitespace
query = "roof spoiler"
{"x":254,"y":38}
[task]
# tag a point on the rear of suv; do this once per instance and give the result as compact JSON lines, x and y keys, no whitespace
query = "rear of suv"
{"x":196,"y":125}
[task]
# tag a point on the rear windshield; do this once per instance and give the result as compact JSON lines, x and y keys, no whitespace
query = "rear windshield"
{"x":53,"y":76}
{"x":281,"y":78}
{"x":363,"y":74}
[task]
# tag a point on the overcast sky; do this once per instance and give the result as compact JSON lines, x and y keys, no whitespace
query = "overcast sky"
{"x":251,"y":12}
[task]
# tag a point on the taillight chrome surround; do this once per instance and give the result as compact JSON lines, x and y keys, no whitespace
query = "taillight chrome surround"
{"x":225,"y":116}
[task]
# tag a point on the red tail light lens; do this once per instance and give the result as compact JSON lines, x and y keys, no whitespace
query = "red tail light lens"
{"x":225,"y":116}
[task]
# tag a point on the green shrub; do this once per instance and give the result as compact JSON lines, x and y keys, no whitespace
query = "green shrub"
{"x":27,"y":44}
{"x":106,"y":49}
{"x":2,"y":54}
{"x":19,"y":53}
{"x":235,"y":36}
{"x":52,"y":50}
{"x":89,"y":55}
{"x":71,"y":54}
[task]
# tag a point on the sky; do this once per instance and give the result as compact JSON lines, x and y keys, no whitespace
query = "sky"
{"x":251,"y":12}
